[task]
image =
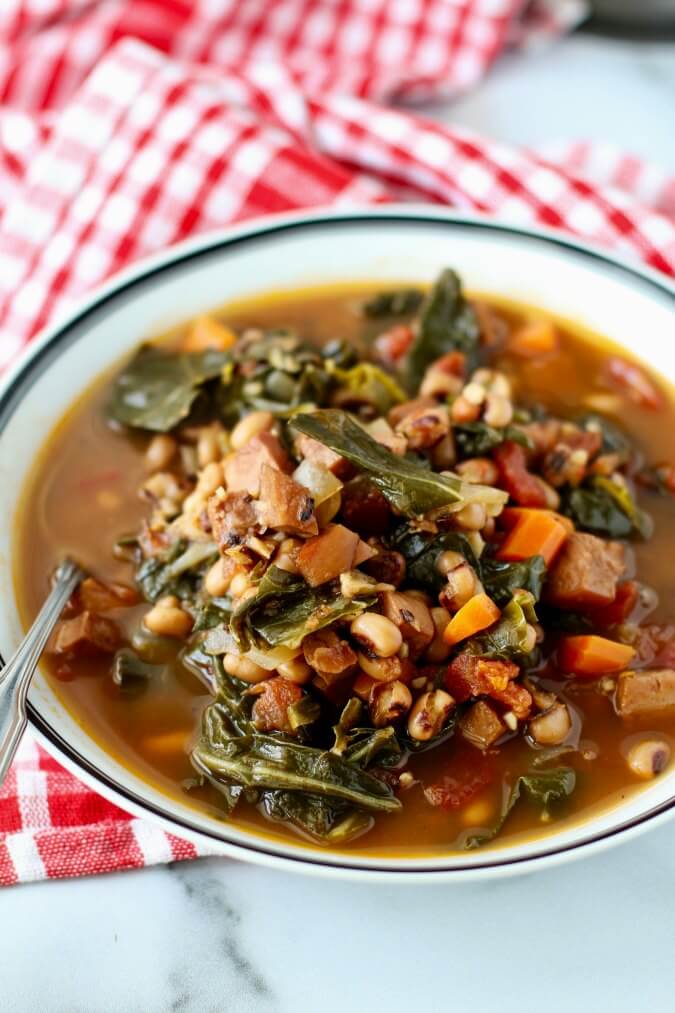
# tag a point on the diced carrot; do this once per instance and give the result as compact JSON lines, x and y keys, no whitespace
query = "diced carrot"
{"x":206,"y":333}
{"x":588,"y":656}
{"x":510,"y":516}
{"x":478,"y":613}
{"x":535,"y":533}
{"x":539,"y":337}
{"x":166,"y":743}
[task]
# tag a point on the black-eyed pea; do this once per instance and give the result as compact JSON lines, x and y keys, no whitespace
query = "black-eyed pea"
{"x":167,"y":619}
{"x":244,"y":669}
{"x":251,"y":425}
{"x":438,"y":651}
{"x":160,"y":452}
{"x":428,"y":715}
{"x":297,"y":670}
{"x":389,"y":702}
{"x":376,"y":634}
{"x":648,"y":758}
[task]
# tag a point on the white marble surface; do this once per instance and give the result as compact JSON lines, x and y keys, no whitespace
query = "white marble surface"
{"x":218,"y":936}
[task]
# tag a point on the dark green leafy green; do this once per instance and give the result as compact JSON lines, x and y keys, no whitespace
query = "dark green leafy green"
{"x":507,"y":639}
{"x":421,"y":551}
{"x":409,"y":487}
{"x":304,"y":711}
{"x":178,"y":570}
{"x":214,"y":612}
{"x":320,"y":818}
{"x":501,"y":579}
{"x":269,"y":762}
{"x":285,"y":609}
{"x":366,"y":384}
{"x":131,"y":674}
{"x":606,"y":508}
{"x":475,"y":439}
{"x":402,"y":302}
{"x":542,"y":787}
{"x":447,"y":323}
{"x":158,"y":389}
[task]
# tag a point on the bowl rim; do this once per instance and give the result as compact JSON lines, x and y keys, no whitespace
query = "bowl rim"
{"x":258,"y":848}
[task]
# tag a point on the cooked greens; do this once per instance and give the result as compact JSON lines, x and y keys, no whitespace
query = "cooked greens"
{"x":448,"y":323}
{"x":606,"y":507}
{"x":158,"y":389}
{"x":410,"y":488}
{"x":508,"y":638}
{"x":402,"y":302}
{"x":542,"y":787}
{"x":285,"y":609}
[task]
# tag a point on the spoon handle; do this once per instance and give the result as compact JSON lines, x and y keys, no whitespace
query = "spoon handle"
{"x":16,"y":675}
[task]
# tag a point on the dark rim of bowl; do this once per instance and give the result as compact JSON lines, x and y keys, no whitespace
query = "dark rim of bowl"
{"x":65,"y":335}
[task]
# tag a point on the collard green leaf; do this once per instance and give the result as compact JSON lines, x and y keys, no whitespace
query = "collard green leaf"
{"x":177,"y":570}
{"x":131,"y":674}
{"x":157,"y":389}
{"x":447,"y":323}
{"x":285,"y":609}
{"x":421,"y":551}
{"x":402,"y":302}
{"x":367,"y":384}
{"x":409,"y":487}
{"x":214,"y":612}
{"x":507,"y":639}
{"x":606,"y":508}
{"x":475,"y":439}
{"x":502,"y":579}
{"x":269,"y":762}
{"x":543,"y":787}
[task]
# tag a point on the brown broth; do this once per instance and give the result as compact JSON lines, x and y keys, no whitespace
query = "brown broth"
{"x":82,"y":495}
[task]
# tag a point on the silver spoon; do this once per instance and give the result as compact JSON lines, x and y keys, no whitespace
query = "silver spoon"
{"x":15,"y":677}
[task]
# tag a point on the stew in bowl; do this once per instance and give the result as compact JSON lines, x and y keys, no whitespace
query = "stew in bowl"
{"x":383,"y":569}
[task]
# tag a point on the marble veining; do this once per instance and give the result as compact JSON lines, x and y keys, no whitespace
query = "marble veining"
{"x":221,"y":937}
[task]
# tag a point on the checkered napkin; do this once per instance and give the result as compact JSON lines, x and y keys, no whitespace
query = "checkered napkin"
{"x":126,"y":126}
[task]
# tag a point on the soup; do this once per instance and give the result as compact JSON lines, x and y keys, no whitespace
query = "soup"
{"x":384,"y":570}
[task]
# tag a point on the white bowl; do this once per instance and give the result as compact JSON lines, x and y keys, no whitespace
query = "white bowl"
{"x":629,"y":304}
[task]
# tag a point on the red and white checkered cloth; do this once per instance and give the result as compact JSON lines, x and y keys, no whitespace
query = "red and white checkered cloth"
{"x":126,"y":126}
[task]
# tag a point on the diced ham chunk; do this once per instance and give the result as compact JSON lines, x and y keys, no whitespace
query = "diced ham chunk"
{"x":317,"y":453}
{"x":522,"y":486}
{"x":331,"y":657}
{"x":232,"y":517}
{"x":328,"y":555}
{"x":86,"y":636}
{"x":643,"y":693}
{"x":481,"y":725}
{"x":270,"y":710}
{"x":364,"y":508}
{"x":243,"y":469}
{"x":585,"y":573}
{"x":285,"y":505}
{"x":94,"y":596}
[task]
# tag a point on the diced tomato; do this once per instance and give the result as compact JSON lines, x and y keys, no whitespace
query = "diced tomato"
{"x":394,"y":344}
{"x":270,"y":710}
{"x":464,"y":776}
{"x":634,"y":382}
{"x":618,"y":611}
{"x":522,"y":486}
